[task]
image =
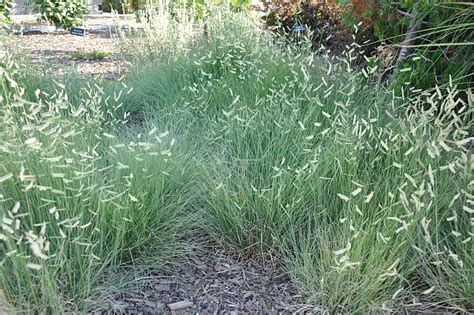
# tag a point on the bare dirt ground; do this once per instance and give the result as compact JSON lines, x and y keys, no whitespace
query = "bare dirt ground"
{"x":60,"y":51}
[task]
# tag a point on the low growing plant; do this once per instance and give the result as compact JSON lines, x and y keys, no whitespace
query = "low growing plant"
{"x":93,"y":55}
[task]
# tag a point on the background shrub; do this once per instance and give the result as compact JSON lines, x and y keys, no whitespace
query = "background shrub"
{"x":322,"y":20}
{"x":5,"y":9}
{"x":123,"y":6}
{"x":442,"y":40}
{"x":62,"y":14}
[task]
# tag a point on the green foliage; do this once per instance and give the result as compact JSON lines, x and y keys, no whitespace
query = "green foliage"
{"x":443,"y":40}
{"x":443,"y":47}
{"x":98,"y":55}
{"x":123,"y":6}
{"x":62,"y":14}
{"x":367,"y":197}
{"x":78,"y":55}
{"x":93,"y":55}
{"x":239,"y":5}
{"x":322,"y":20}
{"x":5,"y":9}
{"x":81,"y":194}
{"x":350,"y":184}
{"x":198,"y":7}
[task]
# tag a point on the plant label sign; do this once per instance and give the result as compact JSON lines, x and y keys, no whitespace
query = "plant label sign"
{"x":298,"y":28}
{"x":78,"y":31}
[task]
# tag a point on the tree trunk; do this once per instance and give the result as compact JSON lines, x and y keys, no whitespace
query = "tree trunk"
{"x":406,"y":46}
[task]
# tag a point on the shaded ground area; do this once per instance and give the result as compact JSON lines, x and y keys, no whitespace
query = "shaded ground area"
{"x":60,"y":52}
{"x":211,"y":281}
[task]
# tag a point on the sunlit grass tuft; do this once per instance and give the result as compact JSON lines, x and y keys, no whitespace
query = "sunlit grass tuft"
{"x":366,"y":196}
{"x":80,"y":196}
{"x":309,"y":159}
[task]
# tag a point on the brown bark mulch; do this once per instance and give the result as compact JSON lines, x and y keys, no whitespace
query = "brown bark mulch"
{"x":211,"y":281}
{"x":56,"y":51}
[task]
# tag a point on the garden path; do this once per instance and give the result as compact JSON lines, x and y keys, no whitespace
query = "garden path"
{"x":211,"y":281}
{"x":60,"y":52}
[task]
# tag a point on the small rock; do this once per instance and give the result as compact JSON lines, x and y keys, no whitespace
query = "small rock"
{"x":180,"y":305}
{"x":162,"y":287}
{"x":248,"y":294}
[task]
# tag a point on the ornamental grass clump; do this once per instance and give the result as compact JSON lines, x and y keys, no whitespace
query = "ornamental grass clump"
{"x":366,"y":196}
{"x":81,"y":195}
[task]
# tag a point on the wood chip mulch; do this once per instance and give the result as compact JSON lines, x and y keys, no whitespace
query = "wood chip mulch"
{"x":210,"y":281}
{"x":55,"y":50}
